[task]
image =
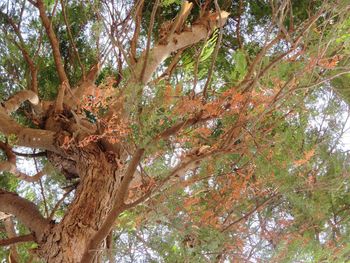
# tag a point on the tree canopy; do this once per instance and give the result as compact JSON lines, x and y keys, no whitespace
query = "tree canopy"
{"x":174,"y":131}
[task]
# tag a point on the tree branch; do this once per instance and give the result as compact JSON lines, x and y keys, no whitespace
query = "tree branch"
{"x":30,"y":155}
{"x":129,"y":174}
{"x":29,"y":137}
{"x":215,"y":54}
{"x":149,"y":35}
{"x":53,"y":41}
{"x":11,"y":233}
{"x":19,"y":239}
{"x":248,"y":214}
{"x":16,"y":100}
{"x":34,"y":138}
{"x":22,"y":47}
{"x":25,"y":211}
{"x":71,"y":38}
{"x":135,"y":37}
{"x":52,"y":214}
{"x":185,"y":39}
{"x":86,"y":87}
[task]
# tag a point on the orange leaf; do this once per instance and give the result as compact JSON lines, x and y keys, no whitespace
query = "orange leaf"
{"x":309,"y":154}
{"x":168,"y":93}
{"x":307,"y":157}
{"x":207,"y":215}
{"x":191,"y":201}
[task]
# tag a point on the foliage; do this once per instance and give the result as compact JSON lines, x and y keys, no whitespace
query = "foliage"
{"x":257,"y":167}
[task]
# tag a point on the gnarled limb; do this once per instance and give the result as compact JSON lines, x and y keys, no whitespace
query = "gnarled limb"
{"x":35,"y":138}
{"x":24,"y":136}
{"x":25,"y":211}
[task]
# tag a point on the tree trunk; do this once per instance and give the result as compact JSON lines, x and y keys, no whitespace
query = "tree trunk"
{"x":96,"y":195}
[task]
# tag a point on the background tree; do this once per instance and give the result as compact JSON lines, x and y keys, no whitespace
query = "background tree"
{"x":174,"y":131}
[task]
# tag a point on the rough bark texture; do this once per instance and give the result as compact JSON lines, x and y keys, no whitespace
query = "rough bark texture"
{"x":100,"y":180}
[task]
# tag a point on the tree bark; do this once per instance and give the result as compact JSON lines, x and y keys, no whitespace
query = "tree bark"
{"x":100,"y":182}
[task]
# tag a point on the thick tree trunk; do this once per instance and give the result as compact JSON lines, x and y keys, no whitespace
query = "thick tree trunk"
{"x":96,"y":195}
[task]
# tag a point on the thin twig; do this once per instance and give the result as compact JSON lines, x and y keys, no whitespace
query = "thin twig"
{"x":149,"y":35}
{"x":71,"y":38}
{"x":59,"y":203}
{"x":42,"y":189}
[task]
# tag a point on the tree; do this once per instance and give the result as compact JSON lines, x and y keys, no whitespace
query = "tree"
{"x":219,"y":154}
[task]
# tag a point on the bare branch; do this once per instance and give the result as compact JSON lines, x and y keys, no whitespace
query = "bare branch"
{"x":35,"y":138}
{"x":52,"y":214}
{"x":53,"y":41}
{"x":169,"y":71}
{"x":86,"y":87}
{"x":185,"y":39}
{"x":135,"y":37}
{"x":179,"y":21}
{"x":30,"y":155}
{"x":16,"y":100}
{"x":25,"y":211}
{"x":149,"y":35}
{"x":129,"y":174}
{"x":60,"y":97}
{"x":19,"y":239}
